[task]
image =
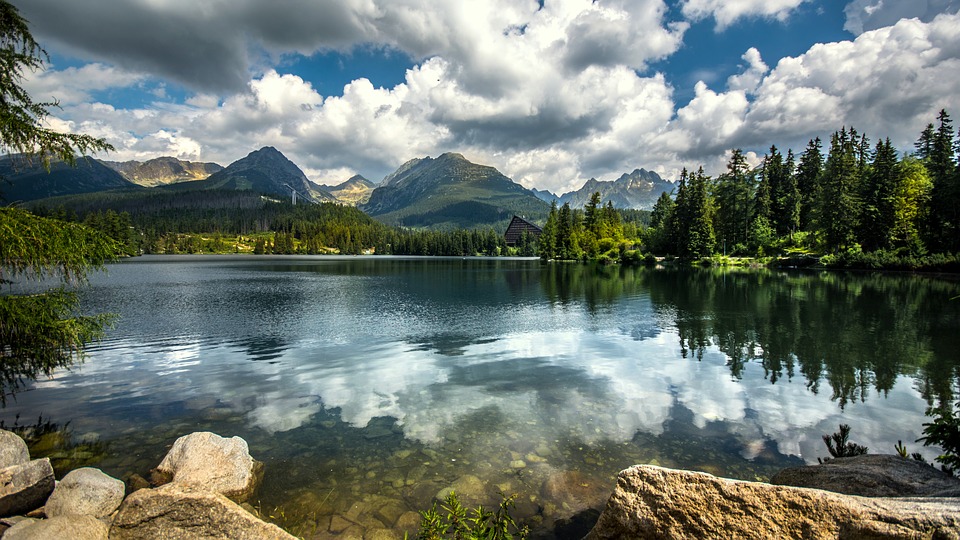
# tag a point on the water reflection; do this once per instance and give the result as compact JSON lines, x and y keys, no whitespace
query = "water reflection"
{"x":397,"y":378}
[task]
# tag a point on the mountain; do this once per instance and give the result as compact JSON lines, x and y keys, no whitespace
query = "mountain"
{"x":639,"y":190}
{"x":449,"y":192}
{"x":162,"y":170}
{"x":264,"y":171}
{"x":353,"y":192}
{"x":545,"y":195}
{"x":25,"y":180}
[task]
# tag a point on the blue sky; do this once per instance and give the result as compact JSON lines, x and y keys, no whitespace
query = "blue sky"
{"x":551,"y":93}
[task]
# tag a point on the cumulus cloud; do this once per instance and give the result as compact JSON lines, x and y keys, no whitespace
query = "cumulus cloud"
{"x":865,"y":15}
{"x":76,"y":84}
{"x":551,"y":95}
{"x":887,"y":82}
{"x":727,"y":12}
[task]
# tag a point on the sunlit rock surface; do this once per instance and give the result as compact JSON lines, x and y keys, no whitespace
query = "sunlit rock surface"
{"x":653,"y":502}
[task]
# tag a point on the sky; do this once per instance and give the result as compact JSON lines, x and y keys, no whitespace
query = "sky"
{"x":551,"y":93}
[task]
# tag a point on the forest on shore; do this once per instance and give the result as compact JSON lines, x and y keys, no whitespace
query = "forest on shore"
{"x":851,"y":204}
{"x":856,"y":205}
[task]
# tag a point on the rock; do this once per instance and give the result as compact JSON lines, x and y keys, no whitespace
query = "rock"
{"x":178,"y":511}
{"x":213,"y":462}
{"x":75,"y":527}
{"x":135,"y":482}
{"x":13,"y":450}
{"x":872,"y":475}
{"x":573,"y":491}
{"x":85,"y":491}
{"x":470,"y":490}
{"x":25,"y":487}
{"x":653,"y":502}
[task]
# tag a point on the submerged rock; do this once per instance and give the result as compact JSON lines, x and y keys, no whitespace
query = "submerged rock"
{"x":213,"y":462}
{"x":25,"y":487}
{"x":177,"y":511}
{"x":85,"y":491}
{"x":653,"y":502}
{"x":872,"y":475}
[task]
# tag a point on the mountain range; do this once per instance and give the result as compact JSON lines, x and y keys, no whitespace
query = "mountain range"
{"x":354,"y":191}
{"x":162,"y":170}
{"x":443,"y":192}
{"x":639,"y":190}
{"x":26,"y":180}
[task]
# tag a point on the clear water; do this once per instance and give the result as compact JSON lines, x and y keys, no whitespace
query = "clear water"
{"x":368,"y":386}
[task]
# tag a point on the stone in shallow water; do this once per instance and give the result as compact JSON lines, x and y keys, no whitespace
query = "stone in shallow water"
{"x":518,"y":464}
{"x":216,"y":463}
{"x":85,"y":491}
{"x":186,"y":511}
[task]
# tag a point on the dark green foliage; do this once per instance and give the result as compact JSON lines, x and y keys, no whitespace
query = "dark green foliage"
{"x":457,"y":523}
{"x":21,"y":119}
{"x":839,"y":446}
{"x":878,"y":198}
{"x":839,"y":205}
{"x":42,"y":332}
{"x":943,"y":225}
{"x":733,"y":195}
{"x":944,"y":431}
{"x":809,"y":176}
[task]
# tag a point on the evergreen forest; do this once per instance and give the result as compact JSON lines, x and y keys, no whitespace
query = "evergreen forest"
{"x":851,"y":204}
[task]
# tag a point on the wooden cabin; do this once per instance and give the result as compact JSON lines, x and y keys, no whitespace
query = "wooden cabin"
{"x":516,"y":228}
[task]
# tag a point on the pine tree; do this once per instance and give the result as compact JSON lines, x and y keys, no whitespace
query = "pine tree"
{"x":733,"y":193}
{"x":547,"y":244}
{"x":809,"y":176}
{"x":943,"y":227}
{"x":660,"y":220}
{"x":877,"y":196}
{"x":39,"y":332}
{"x":680,"y":218}
{"x":700,"y":235}
{"x":838,"y":206}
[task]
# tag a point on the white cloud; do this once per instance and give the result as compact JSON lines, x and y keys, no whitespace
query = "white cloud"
{"x":727,"y":12}
{"x":750,"y":79}
{"x":566,"y":105}
{"x":75,"y":85}
{"x":865,"y":15}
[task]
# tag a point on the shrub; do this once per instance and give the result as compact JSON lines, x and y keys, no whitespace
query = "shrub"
{"x":839,"y":446}
{"x":944,"y":431}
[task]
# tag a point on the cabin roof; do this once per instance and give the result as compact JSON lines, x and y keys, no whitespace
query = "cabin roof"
{"x":516,"y":228}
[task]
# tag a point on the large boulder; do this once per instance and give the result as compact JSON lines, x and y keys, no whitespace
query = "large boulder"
{"x":25,"y":487}
{"x":85,"y":491}
{"x":872,"y":475}
{"x":213,"y":462}
{"x":653,"y":502}
{"x":74,"y":527}
{"x":177,"y":511}
{"x":13,"y":450}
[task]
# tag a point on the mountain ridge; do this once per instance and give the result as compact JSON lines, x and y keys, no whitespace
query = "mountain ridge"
{"x":162,"y":170}
{"x":448,"y":192}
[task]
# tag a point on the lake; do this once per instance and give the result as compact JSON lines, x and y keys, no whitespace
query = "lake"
{"x":369,"y":385}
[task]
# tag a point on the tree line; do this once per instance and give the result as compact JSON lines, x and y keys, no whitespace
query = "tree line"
{"x":856,"y":199}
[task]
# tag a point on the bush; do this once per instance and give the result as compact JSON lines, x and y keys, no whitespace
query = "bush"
{"x":944,"y":431}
